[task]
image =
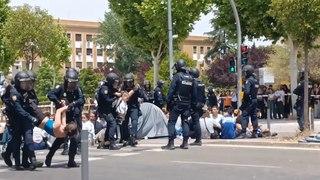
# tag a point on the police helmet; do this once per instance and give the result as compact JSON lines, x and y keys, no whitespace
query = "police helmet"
{"x":71,"y":76}
{"x":180,"y":65}
{"x":161,"y":83}
{"x":32,"y":75}
{"x":194,"y":72}
{"x":147,"y":85}
{"x":248,"y":70}
{"x":128,"y":81}
{"x":112,"y":80}
{"x":23,"y":81}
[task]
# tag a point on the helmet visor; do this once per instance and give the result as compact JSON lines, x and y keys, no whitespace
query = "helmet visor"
{"x":72,"y":85}
{"x":26,"y":85}
{"x":115,"y":84}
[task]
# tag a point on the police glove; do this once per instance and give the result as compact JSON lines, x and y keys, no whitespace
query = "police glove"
{"x":33,"y":119}
{"x":70,"y":107}
{"x":136,"y":88}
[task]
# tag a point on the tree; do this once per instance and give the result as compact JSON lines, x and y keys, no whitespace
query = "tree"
{"x":219,"y":75}
{"x":6,"y":55}
{"x":144,"y":23}
{"x":45,"y":81}
{"x":127,"y":56}
{"x":90,"y":81}
{"x":278,"y":62}
{"x":164,"y":70}
{"x":301,"y":20}
{"x":29,"y":32}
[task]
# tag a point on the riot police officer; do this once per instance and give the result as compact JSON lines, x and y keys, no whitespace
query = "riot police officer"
{"x":249,"y":103}
{"x":159,"y":97}
{"x":133,"y":112}
{"x":299,"y":91}
{"x":23,"y":121}
{"x":181,"y":98}
{"x":69,"y":93}
{"x":148,"y":94}
{"x":106,"y":97}
{"x":197,"y":112}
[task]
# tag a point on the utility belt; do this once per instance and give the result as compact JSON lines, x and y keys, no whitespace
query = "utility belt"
{"x":181,"y":100}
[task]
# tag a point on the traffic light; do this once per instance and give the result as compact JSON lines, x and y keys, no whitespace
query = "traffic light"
{"x":232,"y":67}
{"x":244,"y":54}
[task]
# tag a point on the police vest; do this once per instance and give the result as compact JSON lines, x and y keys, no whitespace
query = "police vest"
{"x":200,"y":92}
{"x":184,"y":89}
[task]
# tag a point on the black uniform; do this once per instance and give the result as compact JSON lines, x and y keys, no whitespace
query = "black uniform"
{"x":73,"y":96}
{"x":298,"y":106}
{"x":181,"y":98}
{"x":249,"y":103}
{"x":197,"y":112}
{"x":107,"y":110}
{"x":159,"y":97}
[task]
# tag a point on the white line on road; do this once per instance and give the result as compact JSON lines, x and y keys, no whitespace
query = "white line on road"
{"x":124,"y":154}
{"x":227,"y":164}
{"x":263,"y":147}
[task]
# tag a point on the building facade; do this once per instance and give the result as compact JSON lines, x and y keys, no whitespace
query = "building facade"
{"x":86,"y":53}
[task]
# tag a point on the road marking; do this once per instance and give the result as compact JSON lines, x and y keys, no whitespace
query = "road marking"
{"x":227,"y":164}
{"x":124,"y":154}
{"x":263,"y":147}
{"x":155,"y":150}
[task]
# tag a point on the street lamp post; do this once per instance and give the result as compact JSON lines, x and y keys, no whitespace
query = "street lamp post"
{"x":170,"y":39}
{"x":239,"y":73}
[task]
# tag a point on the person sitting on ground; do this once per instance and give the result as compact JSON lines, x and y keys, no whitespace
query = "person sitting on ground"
{"x":87,"y":125}
{"x":228,"y":124}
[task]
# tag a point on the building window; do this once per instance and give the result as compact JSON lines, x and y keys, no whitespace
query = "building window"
{"x":89,"y":65}
{"x":89,"y":52}
{"x":194,"y":49}
{"x":79,"y":65}
{"x":99,"y":52}
{"x":78,"y":51}
{"x":89,"y":37}
{"x":78,"y":37}
{"x":208,"y":49}
{"x":100,"y":64}
{"x":68,"y":65}
{"x":201,"y":50}
{"x":69,"y":36}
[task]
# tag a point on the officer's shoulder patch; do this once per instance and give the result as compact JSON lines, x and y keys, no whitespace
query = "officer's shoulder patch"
{"x":14,"y":98}
{"x":64,"y":94}
{"x":159,"y":92}
{"x":57,"y":86}
{"x":105,"y":91}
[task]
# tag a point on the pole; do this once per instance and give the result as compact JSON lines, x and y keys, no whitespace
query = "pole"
{"x":170,"y":39}
{"x":84,"y":155}
{"x":239,"y":73}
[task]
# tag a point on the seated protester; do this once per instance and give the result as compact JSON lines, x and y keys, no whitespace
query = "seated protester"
{"x":216,"y":119}
{"x":122,"y":107}
{"x":237,"y":116}
{"x":228,"y":124}
{"x":96,"y":124}
{"x":38,"y":142}
{"x":57,"y":128}
{"x":87,"y":125}
{"x":207,"y":124}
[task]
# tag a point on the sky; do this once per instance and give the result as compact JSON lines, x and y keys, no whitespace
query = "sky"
{"x":93,"y":10}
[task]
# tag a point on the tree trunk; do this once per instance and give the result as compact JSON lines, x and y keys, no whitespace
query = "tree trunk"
{"x":293,"y":53}
{"x":306,"y":89}
{"x":156,"y":70}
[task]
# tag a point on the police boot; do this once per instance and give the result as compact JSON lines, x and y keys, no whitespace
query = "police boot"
{"x":6,"y":159}
{"x":25,"y":162}
{"x":34,"y":163}
{"x":113,"y":146}
{"x":169,"y":146}
{"x":72,"y":164}
{"x":184,"y":145}
{"x":132,"y":141}
{"x":196,"y":143}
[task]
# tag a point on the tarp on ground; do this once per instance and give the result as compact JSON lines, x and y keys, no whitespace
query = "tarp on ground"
{"x":152,"y":123}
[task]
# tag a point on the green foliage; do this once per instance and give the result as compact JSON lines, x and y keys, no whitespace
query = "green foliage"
{"x":127,"y":56}
{"x":278,"y":62}
{"x":90,"y":80}
{"x":299,"y":18}
{"x":32,"y":33}
{"x":254,"y":19}
{"x":45,"y":79}
{"x":164,"y":72}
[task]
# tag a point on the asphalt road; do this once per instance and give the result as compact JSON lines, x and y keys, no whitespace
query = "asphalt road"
{"x":211,"y":161}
